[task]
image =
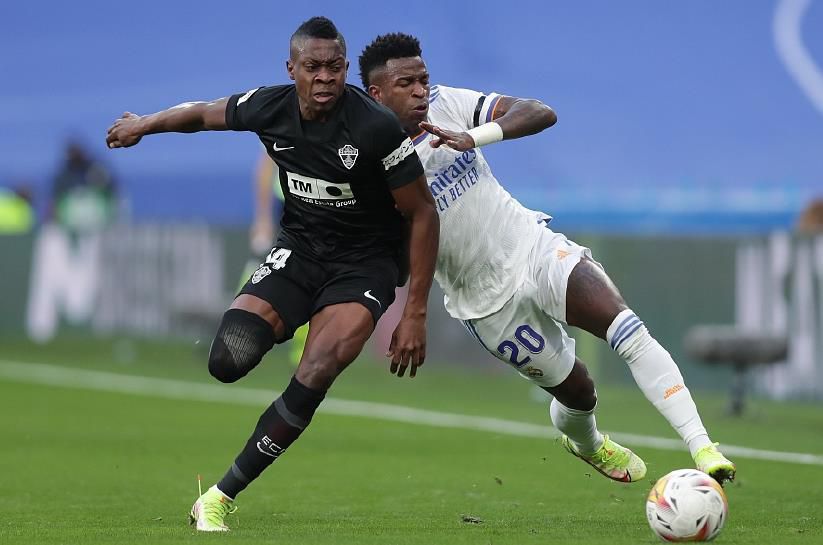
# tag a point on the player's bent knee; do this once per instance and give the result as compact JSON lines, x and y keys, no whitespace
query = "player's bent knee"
{"x":220,"y":365}
{"x":242,"y":340}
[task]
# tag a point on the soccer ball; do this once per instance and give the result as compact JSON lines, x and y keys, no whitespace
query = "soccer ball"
{"x":686,"y":505}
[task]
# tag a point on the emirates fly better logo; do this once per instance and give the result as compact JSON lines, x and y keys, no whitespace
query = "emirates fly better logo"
{"x":348,"y":154}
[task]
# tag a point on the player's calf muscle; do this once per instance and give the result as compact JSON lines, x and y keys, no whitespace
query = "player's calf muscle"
{"x":577,"y":391}
{"x":322,"y":364}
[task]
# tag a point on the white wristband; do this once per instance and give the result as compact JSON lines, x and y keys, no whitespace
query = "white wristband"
{"x":488,"y":133}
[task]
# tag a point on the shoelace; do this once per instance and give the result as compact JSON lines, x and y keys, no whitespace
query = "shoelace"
{"x":617,"y":458}
{"x":217,"y":510}
{"x":709,"y":448}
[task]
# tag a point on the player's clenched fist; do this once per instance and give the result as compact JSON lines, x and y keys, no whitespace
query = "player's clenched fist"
{"x":125,"y":131}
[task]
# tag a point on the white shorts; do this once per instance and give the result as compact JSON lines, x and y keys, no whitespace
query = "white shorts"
{"x":526,"y":332}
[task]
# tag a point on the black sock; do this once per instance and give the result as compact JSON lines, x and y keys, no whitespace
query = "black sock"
{"x":279,"y":426}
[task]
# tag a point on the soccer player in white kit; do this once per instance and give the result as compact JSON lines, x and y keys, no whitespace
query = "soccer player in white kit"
{"x":512,"y":281}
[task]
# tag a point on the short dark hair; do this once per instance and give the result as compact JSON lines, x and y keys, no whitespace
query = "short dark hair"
{"x":388,"y":46}
{"x":318,"y":27}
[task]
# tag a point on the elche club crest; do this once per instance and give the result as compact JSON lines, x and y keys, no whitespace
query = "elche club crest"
{"x":348,"y":154}
{"x":262,"y":272}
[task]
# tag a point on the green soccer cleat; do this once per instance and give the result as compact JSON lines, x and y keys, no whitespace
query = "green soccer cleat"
{"x":709,"y":460}
{"x":210,"y":509}
{"x":612,"y":460}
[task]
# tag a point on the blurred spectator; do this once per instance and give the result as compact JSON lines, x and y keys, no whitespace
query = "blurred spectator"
{"x":84,"y":194}
{"x":810,"y":221}
{"x":16,"y":211}
{"x":268,"y":206}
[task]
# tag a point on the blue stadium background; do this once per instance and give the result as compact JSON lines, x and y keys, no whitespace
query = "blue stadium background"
{"x":673,"y":117}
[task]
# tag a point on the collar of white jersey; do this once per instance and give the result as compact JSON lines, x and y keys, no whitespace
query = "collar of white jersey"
{"x":420,"y":137}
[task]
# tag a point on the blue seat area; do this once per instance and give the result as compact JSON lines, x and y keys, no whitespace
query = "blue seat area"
{"x":655,"y":101}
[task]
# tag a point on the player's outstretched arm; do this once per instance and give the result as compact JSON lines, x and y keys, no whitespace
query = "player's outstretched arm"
{"x":513,"y":118}
{"x":519,"y":117}
{"x":187,"y":117}
{"x":408,"y":342}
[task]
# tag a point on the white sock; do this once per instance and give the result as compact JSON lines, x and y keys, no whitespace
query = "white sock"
{"x":658,"y":376}
{"x":579,"y":426}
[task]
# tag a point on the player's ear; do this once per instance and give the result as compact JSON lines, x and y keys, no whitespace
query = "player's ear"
{"x":374,"y":92}
{"x":290,"y":69}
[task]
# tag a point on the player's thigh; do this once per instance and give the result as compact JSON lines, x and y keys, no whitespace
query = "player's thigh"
{"x":337,"y":334}
{"x":282,"y":290}
{"x":551,"y":264}
{"x":527,"y":339}
{"x":370,"y":283}
{"x":592,"y":299}
{"x":344,"y":314}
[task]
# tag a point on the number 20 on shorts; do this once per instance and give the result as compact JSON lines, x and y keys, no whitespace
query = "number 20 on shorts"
{"x":524,"y":337}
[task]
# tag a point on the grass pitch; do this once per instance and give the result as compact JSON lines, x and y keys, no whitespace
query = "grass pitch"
{"x":95,"y":467}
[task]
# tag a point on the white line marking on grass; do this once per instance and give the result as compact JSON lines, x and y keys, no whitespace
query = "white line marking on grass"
{"x":66,"y":377}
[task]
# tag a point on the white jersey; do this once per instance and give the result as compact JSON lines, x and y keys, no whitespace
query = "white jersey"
{"x":485,"y":234}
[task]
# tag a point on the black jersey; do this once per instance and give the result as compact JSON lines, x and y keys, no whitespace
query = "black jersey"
{"x":336,"y":175}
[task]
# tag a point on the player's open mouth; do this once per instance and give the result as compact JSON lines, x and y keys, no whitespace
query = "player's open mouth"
{"x":421,"y":109}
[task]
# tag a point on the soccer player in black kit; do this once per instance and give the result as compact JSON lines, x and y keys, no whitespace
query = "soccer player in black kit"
{"x":358,"y":217}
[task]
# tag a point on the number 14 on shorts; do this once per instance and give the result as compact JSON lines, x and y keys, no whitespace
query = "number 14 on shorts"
{"x":277,"y":258}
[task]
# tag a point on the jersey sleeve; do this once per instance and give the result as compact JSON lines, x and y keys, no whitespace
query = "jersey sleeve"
{"x":395,"y":151}
{"x":244,"y":111}
{"x":472,"y":108}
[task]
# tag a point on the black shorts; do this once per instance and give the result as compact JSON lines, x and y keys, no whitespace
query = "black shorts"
{"x":297,"y":286}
